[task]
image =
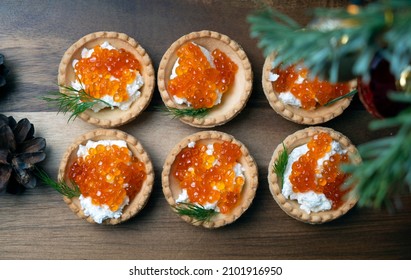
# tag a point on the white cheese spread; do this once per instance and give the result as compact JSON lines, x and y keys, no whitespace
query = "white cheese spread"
{"x":272,"y":77}
{"x":287,"y":97}
{"x":309,"y":201}
{"x":131,"y":88}
{"x":83,"y":149}
{"x":99,"y":212}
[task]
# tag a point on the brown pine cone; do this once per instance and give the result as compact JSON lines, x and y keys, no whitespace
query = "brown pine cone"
{"x":3,"y":71}
{"x":19,"y":152}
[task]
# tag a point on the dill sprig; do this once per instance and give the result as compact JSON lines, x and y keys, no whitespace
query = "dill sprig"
{"x":195,"y":211}
{"x":186,"y":112}
{"x":351,"y":93}
{"x":61,"y":187}
{"x":281,"y":164}
{"x":386,"y":162}
{"x":74,"y":101}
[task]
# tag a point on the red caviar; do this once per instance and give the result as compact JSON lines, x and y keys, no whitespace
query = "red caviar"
{"x":108,"y":174}
{"x":306,"y":176}
{"x":107,"y":72}
{"x":311,"y":93}
{"x":197,"y":81}
{"x":209,"y":177}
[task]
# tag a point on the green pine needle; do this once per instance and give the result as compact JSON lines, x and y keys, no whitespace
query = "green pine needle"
{"x":194,"y":211}
{"x":61,"y":187}
{"x":75,"y":101}
{"x":281,"y":164}
{"x":351,"y":93}
{"x":186,"y":112}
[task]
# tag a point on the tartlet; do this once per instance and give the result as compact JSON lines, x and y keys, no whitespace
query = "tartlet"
{"x":171,"y":184}
{"x":233,"y":101}
{"x":107,"y":117}
{"x":291,"y":206}
{"x":137,"y":150}
{"x":320,"y":114}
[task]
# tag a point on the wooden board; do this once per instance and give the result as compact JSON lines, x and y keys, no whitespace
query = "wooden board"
{"x":39,"y":225}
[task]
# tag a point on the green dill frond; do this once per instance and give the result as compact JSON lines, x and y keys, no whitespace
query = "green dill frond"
{"x":74,"y":101}
{"x":281,"y":164}
{"x":186,"y":112}
{"x":194,"y":211}
{"x":61,"y":187}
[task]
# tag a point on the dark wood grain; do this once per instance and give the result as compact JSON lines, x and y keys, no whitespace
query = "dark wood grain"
{"x":39,"y":225}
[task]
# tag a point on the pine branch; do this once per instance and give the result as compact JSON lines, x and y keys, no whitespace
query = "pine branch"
{"x":386,"y":165}
{"x":337,"y":35}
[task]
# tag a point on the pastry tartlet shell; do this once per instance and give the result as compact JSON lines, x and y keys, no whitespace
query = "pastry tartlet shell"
{"x":291,"y":207}
{"x":233,"y":101}
{"x":137,"y":150}
{"x":107,"y":117}
{"x":171,"y":188}
{"x":319,"y":115}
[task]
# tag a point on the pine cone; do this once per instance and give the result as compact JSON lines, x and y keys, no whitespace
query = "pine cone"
{"x":19,"y":152}
{"x":3,"y":71}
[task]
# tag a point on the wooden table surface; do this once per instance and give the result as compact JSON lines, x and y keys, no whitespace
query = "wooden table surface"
{"x":39,"y":225}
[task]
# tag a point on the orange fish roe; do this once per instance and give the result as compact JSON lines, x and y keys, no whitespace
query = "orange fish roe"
{"x":311,"y":93}
{"x":210,"y":177}
{"x":197,"y":81}
{"x":107,"y":72}
{"x":108,"y":174}
{"x":305,"y":175}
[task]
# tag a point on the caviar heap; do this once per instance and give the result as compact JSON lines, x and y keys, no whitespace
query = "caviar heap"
{"x":198,"y":81}
{"x":325,"y":179}
{"x":211,"y":174}
{"x":310,"y":93}
{"x":107,"y":72}
{"x":109,"y":174}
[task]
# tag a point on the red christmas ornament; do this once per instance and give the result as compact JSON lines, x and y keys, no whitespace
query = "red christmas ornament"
{"x":374,"y":95}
